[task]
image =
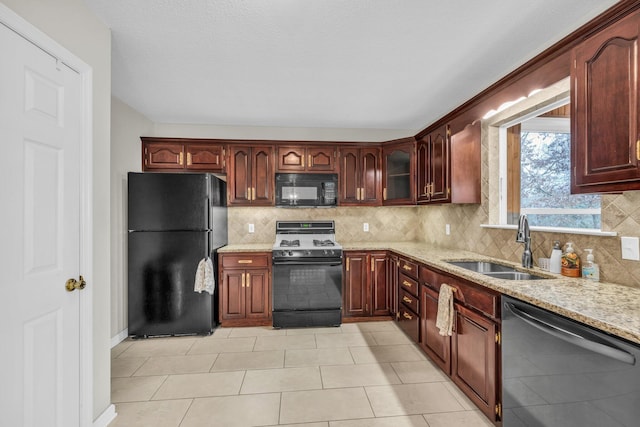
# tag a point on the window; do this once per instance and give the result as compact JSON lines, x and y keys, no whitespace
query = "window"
{"x":538,"y":157}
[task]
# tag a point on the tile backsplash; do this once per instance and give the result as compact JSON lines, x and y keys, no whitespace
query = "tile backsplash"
{"x":620,"y":213}
{"x":385,"y":223}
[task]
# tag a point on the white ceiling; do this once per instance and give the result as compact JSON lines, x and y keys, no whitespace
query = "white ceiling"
{"x":372,"y":64}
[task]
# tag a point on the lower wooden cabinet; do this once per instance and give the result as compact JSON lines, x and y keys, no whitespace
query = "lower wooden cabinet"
{"x":408,"y":316}
{"x":436,"y":346}
{"x":474,"y":359}
{"x":471,"y":355}
{"x":245,"y":289}
{"x":365,"y":288}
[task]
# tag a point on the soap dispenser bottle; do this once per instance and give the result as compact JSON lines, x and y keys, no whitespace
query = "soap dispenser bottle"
{"x":590,"y":270}
{"x":570,"y":262}
{"x":555,"y":261}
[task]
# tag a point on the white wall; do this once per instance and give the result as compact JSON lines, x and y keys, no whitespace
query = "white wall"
{"x":127,"y":126}
{"x":71,"y":24}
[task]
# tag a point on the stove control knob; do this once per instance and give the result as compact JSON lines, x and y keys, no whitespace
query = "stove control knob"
{"x":290,"y":253}
{"x":308,"y":252}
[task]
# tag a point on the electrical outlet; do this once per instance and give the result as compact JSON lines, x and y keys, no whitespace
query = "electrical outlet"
{"x":447,"y":229}
{"x":365,"y":226}
{"x":252,"y":228}
{"x":630,"y":248}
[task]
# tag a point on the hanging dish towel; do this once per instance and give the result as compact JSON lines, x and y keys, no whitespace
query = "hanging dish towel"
{"x":205,"y":280}
{"x":445,"y":316}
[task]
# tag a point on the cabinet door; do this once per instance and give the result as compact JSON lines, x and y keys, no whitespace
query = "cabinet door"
{"x":205,"y":157}
{"x":355,"y":285}
{"x":239,"y":171}
{"x":605,"y":134}
{"x":422,"y":169}
{"x":232,"y":298}
{"x":380,"y":295}
{"x":473,"y":366}
{"x":163,"y":156}
{"x":262,"y":176}
{"x":321,"y":159}
{"x":291,"y":159}
{"x":349,"y":176}
{"x":465,"y":154}
{"x":398,"y":175}
{"x":370,"y":176}
{"x":439,"y":165}
{"x":257,"y":294}
{"x":392,"y":282}
{"x":438,"y":347}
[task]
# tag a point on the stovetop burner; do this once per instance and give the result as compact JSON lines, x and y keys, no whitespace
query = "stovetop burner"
{"x":300,"y":240}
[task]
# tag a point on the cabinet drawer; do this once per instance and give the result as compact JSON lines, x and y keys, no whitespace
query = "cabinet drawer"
{"x":409,"y":322}
{"x":428,"y":277}
{"x":472,"y":297}
{"x":409,"y":268}
{"x":245,"y":261}
{"x":410,"y":301}
{"x":408,"y":284}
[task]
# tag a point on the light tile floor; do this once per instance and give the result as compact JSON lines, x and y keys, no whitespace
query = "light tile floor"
{"x":356,"y":375}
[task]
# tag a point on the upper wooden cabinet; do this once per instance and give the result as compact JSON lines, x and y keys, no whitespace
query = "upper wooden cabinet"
{"x":250,"y":175}
{"x":398,"y":187}
{"x":205,"y":157}
{"x":179,"y":155}
{"x":433,"y":167}
{"x":605,"y":133}
{"x":306,"y":159}
{"x":448,"y":166}
{"x":360,"y":176}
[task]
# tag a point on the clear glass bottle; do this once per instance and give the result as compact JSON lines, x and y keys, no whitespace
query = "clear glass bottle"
{"x":591,"y":270}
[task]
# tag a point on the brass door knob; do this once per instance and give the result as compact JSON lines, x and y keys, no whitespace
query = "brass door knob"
{"x":73,"y":284}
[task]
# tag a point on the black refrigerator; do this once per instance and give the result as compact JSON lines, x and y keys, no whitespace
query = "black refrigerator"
{"x":174,"y":222}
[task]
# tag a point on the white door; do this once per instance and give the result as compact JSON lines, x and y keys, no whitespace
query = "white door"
{"x":40,"y":136}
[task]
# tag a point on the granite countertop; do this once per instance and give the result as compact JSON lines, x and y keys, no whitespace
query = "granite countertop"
{"x":607,"y":306}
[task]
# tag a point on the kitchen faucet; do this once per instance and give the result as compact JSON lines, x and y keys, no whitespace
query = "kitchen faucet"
{"x":524,"y":236}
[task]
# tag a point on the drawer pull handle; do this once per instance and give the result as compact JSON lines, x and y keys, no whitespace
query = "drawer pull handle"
{"x":406,"y":267}
{"x":407,"y":316}
{"x":407,"y":299}
{"x":245,"y":261}
{"x":407,"y":284}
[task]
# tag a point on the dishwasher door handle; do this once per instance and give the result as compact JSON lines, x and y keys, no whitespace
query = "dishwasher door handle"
{"x":579,"y":336}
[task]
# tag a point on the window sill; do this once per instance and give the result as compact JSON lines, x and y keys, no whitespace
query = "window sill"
{"x":584,"y":231}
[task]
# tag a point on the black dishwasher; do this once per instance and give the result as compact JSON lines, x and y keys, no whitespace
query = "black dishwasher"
{"x":560,"y":373}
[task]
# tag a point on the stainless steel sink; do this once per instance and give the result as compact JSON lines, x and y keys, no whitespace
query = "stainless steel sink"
{"x":498,"y":271}
{"x":482,"y":266}
{"x":513,"y":275}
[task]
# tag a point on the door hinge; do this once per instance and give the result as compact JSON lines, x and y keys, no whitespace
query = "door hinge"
{"x":498,"y":338}
{"x":499,"y":411}
{"x":373,"y":264}
{"x":348,"y":259}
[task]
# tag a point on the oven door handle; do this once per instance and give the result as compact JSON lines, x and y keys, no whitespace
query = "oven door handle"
{"x":571,"y":333}
{"x":319,"y":262}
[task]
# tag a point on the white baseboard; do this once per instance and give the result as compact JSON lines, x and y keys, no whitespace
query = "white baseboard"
{"x":121,"y":336}
{"x":106,"y":417}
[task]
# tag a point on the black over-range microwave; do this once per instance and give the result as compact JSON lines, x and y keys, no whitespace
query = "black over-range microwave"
{"x":305,"y":190}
